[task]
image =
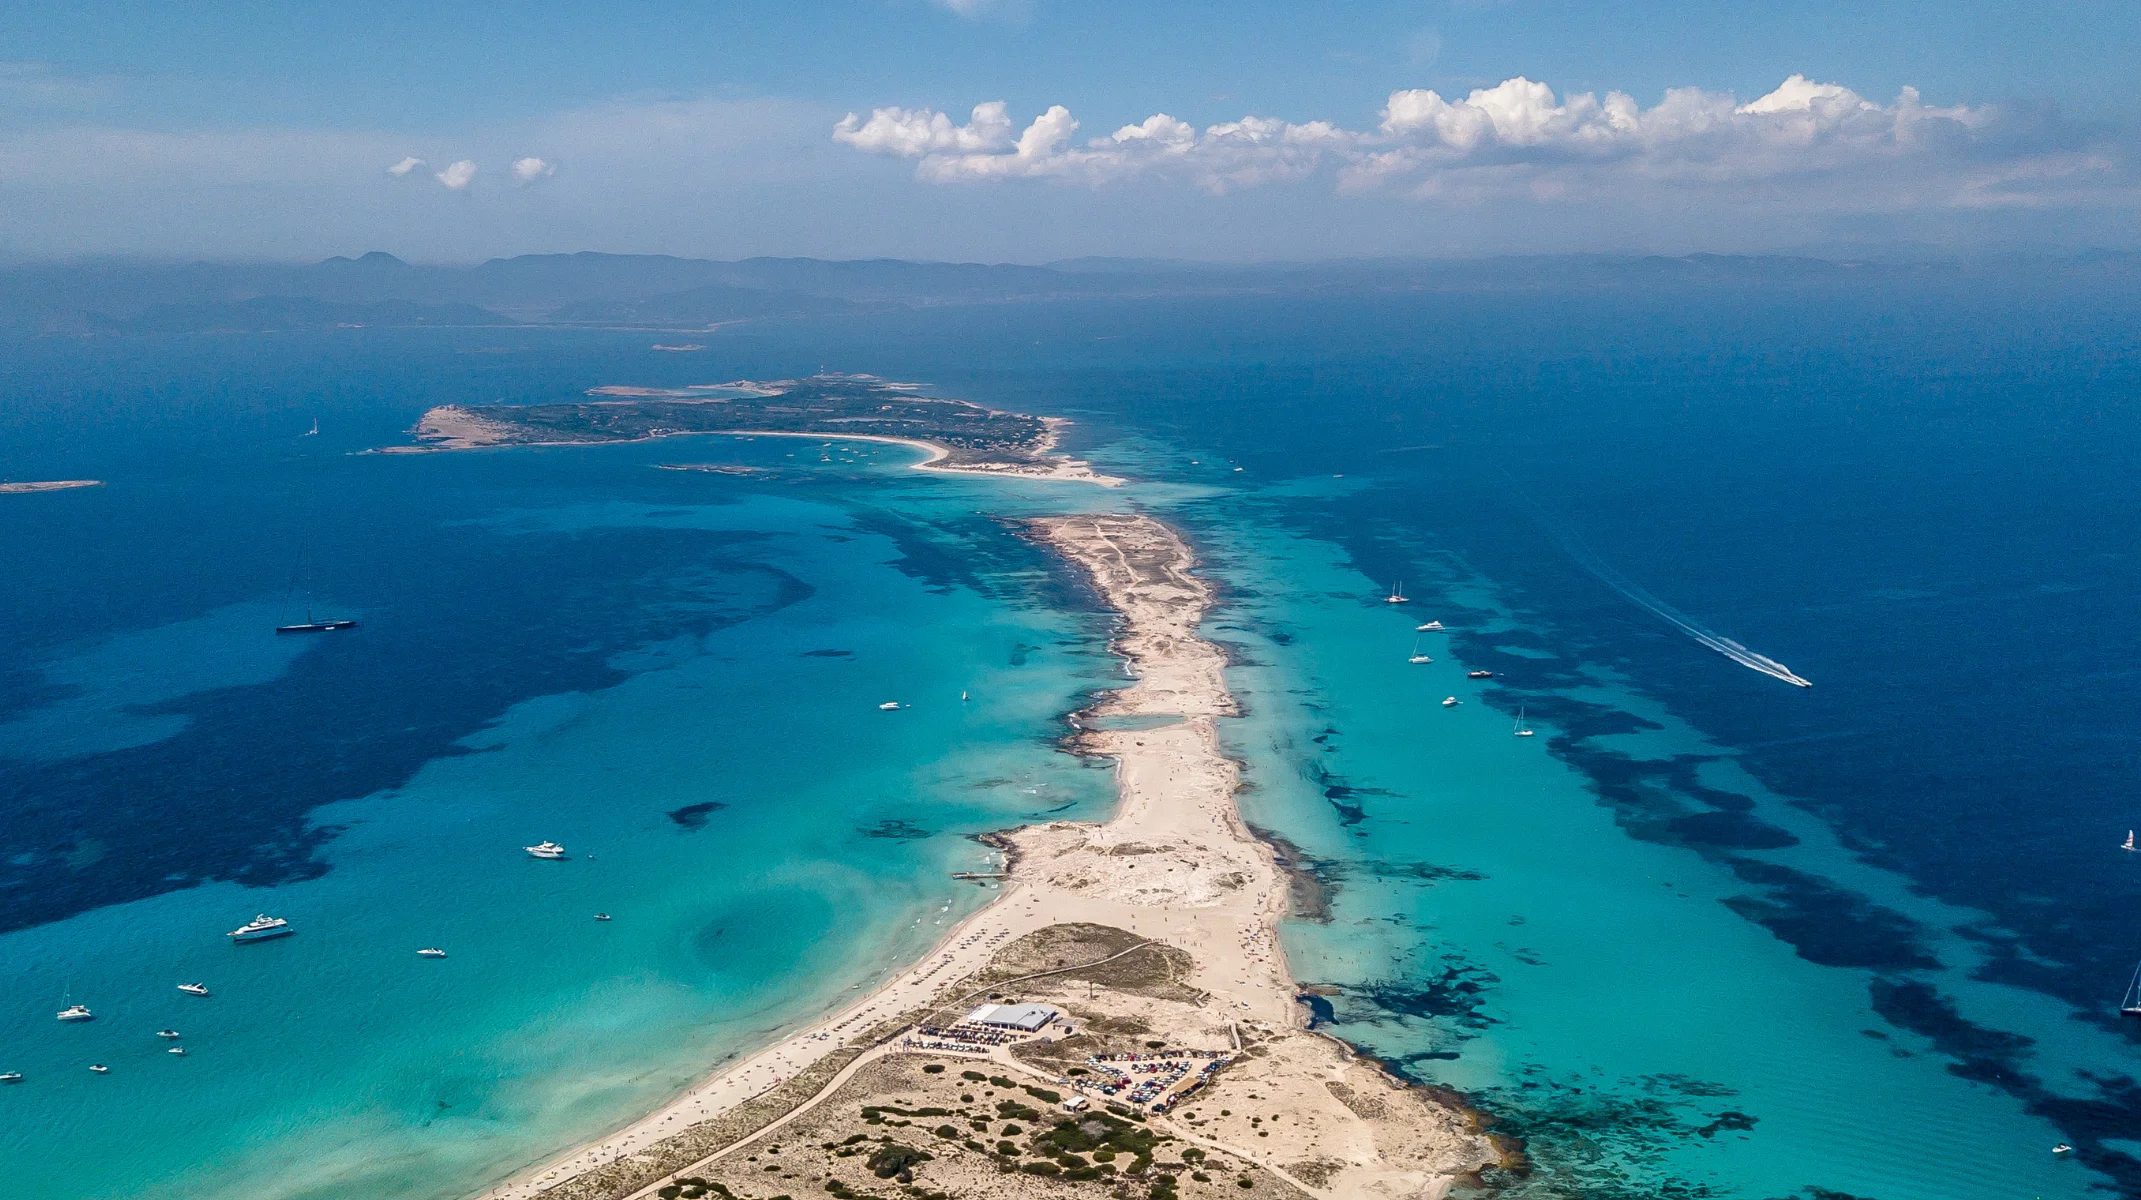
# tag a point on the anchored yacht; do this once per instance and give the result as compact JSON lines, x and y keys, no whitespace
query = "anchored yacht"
{"x":893,"y":705}
{"x":1430,"y":627}
{"x":76,"y":1012}
{"x":1523,"y":730}
{"x":260,"y":929}
{"x":431,"y":952}
{"x":550,"y":850}
{"x":1418,"y":659}
{"x":167,"y":1033}
{"x":194,"y":989}
{"x":2129,"y":844}
{"x":1451,"y":702}
{"x":1397,"y":594}
{"x":11,"y":1077}
{"x":100,"y":1068}
{"x":1479,"y":674}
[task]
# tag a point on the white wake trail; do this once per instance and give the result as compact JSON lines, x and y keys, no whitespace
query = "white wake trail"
{"x":1738,"y":653}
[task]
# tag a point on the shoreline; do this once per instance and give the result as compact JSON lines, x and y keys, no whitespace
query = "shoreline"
{"x":1065,"y":469}
{"x":1174,"y":863}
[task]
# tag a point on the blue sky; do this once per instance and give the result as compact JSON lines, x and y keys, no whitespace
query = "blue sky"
{"x":266,"y":130}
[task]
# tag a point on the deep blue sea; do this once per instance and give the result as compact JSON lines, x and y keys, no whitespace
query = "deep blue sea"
{"x":1707,"y":934}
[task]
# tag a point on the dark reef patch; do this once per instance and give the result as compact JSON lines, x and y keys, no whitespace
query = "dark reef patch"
{"x":895,"y":829}
{"x":693,"y":816}
{"x":828,"y":654}
{"x":1826,"y":924}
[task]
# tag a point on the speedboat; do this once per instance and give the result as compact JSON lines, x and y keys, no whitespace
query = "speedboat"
{"x":178,"y":1050}
{"x":100,"y":1068}
{"x":167,"y":1033}
{"x":11,"y":1077}
{"x":76,"y":1012}
{"x":550,"y":850}
{"x":1479,"y":674}
{"x":602,"y":916}
{"x":260,"y":929}
{"x":2062,"y":1148}
{"x":889,"y":706}
{"x":1430,"y":627}
{"x":431,"y":952}
{"x":1451,"y":702}
{"x":194,"y":989}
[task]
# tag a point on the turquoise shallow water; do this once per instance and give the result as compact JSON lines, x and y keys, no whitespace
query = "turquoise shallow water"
{"x":336,"y":1062}
{"x":573,"y":645}
{"x":1491,"y":927}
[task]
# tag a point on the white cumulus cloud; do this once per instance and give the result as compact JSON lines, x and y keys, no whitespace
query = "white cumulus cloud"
{"x":405,"y":166}
{"x":457,"y":176}
{"x":529,"y":169}
{"x":1515,"y":137}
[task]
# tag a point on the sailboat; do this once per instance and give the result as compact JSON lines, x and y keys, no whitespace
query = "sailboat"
{"x":1397,"y":594}
{"x":2128,"y":845}
{"x":73,"y":1011}
{"x":309,"y":625}
{"x":1523,"y":730}
{"x":315,"y":430}
{"x":2130,"y":1006}
{"x":1417,"y":657}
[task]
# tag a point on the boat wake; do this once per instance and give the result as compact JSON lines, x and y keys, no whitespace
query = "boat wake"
{"x":1749,"y":659}
{"x":1733,"y":650}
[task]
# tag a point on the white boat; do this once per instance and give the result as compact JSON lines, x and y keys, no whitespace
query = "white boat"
{"x":2062,"y":1148}
{"x":178,"y":1050}
{"x":550,"y":850}
{"x":431,"y":952}
{"x":1397,"y":594}
{"x":1523,"y":730}
{"x":602,"y":916}
{"x":2129,"y":844}
{"x":2130,"y":1005}
{"x":76,"y":1012}
{"x":1418,"y":659}
{"x":889,"y":706}
{"x":1430,"y":627}
{"x":1451,"y":702}
{"x":194,"y":989}
{"x":100,"y":1068}
{"x":962,"y":697}
{"x":11,"y":1077}
{"x":260,"y":929}
{"x":167,"y":1033}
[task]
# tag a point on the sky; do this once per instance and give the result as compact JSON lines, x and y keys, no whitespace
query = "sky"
{"x":1032,"y":130}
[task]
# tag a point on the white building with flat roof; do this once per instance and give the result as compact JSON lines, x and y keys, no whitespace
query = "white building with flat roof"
{"x":1029,"y":1018}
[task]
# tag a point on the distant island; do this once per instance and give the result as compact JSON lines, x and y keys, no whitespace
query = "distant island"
{"x":961,"y":437}
{"x":48,"y":485}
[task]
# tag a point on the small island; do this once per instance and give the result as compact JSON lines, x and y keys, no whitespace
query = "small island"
{"x":961,"y":437}
{"x":8,"y":488}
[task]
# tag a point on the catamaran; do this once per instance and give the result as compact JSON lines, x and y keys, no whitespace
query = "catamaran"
{"x":1397,"y":594}
{"x":1523,"y":730}
{"x":76,"y":1012}
{"x":1417,"y":657}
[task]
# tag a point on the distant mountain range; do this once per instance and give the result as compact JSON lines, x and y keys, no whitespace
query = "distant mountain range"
{"x":659,"y":291}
